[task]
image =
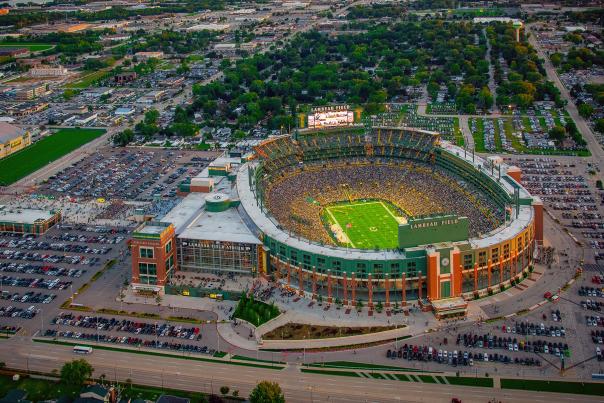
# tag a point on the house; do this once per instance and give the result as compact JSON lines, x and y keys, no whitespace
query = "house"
{"x":96,"y":394}
{"x":15,"y":396}
{"x":125,"y":77}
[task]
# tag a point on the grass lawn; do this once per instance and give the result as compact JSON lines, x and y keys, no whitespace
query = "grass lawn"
{"x":43,"y":152}
{"x":360,"y":365}
{"x":479,"y":136}
{"x":33,"y":47}
{"x":244,"y":358}
{"x":338,"y":373}
{"x":459,"y":139}
{"x":367,"y":225}
{"x":587,"y":388}
{"x":88,"y":79}
{"x":469,"y":381}
{"x":427,"y":378}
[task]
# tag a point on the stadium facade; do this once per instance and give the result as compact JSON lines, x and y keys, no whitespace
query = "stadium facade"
{"x":438,"y":263}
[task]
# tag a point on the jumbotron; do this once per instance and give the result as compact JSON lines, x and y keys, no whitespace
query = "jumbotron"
{"x":377,"y":215}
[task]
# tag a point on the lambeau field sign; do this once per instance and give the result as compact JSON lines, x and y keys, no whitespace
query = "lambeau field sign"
{"x":432,"y":229}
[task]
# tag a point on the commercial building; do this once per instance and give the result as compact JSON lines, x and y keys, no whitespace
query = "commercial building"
{"x":14,"y":52}
{"x":27,"y":221}
{"x":12,"y":139}
{"x":141,"y":56}
{"x":87,"y":118}
{"x":48,"y":71}
{"x":30,"y":92}
{"x":153,"y":256}
{"x":125,"y":77}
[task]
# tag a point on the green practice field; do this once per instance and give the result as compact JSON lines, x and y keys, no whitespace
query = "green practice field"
{"x":368,"y":225}
{"x":43,"y":152}
{"x":33,"y":47}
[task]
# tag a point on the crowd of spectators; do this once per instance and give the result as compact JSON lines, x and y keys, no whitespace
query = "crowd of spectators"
{"x":298,"y":195}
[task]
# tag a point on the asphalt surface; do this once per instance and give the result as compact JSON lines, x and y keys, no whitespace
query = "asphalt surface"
{"x":22,"y":353}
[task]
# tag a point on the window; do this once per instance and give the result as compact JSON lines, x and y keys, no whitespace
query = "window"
{"x":146,"y":253}
{"x":151,"y":280}
{"x":467,"y":261}
{"x":169,"y":247}
{"x":495,"y":255}
{"x":147,"y":269}
{"x":170,"y":263}
{"x":482,"y":258}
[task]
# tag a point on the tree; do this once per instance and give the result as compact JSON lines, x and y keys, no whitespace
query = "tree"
{"x":485,"y":99}
{"x":556,"y":59}
{"x":557,"y":133}
{"x":600,"y":125}
{"x":151,"y":117}
{"x":224,"y":390}
{"x":267,"y":392}
{"x":585,"y":110}
{"x":76,"y":372}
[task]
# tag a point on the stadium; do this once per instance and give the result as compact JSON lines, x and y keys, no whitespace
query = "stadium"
{"x":359,"y":216}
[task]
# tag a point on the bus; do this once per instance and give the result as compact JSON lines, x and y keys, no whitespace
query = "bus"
{"x":82,"y":350}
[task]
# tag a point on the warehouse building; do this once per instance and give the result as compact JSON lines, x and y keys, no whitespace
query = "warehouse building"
{"x":12,"y":139}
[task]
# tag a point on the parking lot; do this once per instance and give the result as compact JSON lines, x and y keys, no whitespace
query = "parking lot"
{"x":38,"y":274}
{"x":125,"y":174}
{"x":567,"y":188}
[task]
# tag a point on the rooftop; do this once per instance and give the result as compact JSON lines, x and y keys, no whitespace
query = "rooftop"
{"x":9,"y":132}
{"x":25,"y":216}
{"x":224,"y":226}
{"x":150,"y":229}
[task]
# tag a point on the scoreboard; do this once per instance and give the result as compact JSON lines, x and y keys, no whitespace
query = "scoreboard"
{"x":330,"y":116}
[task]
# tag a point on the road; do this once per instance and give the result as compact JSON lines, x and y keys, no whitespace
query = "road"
{"x":22,"y":353}
{"x":492,"y":85}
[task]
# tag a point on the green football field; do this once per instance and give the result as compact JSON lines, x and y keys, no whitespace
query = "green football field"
{"x":43,"y":152}
{"x":367,"y":225}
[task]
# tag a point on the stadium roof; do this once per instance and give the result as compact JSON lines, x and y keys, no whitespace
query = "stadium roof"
{"x":9,"y":132}
{"x":508,"y":231}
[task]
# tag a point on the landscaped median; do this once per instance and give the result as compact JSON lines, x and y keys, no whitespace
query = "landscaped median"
{"x":218,"y":359}
{"x":362,"y":366}
{"x":386,"y":372}
{"x":335,"y":343}
{"x":579,"y":388}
